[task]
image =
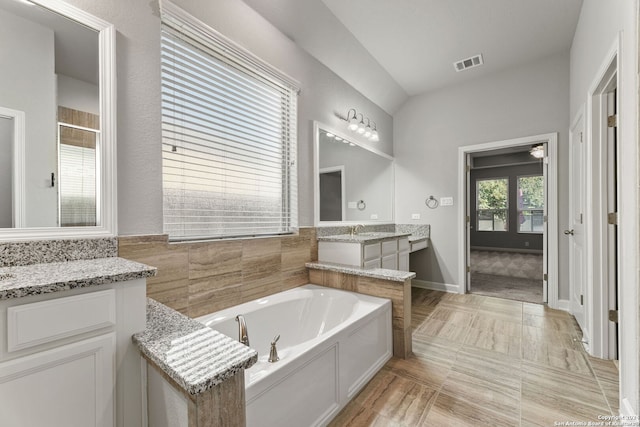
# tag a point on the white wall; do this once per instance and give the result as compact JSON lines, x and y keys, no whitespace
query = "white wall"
{"x":78,"y":95}
{"x":528,"y":100}
{"x":28,"y":84}
{"x":138,"y":54}
{"x":599,"y":25}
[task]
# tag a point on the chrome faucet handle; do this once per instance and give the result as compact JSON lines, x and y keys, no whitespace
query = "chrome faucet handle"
{"x":273,"y":354}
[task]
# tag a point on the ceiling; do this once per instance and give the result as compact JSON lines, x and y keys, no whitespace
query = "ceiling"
{"x":390,"y":50}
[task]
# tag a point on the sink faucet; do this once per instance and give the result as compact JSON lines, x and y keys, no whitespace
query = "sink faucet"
{"x":355,"y":228}
{"x":243,"y":333}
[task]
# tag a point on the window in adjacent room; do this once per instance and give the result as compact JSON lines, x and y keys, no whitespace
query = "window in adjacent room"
{"x":492,"y":208}
{"x":228,"y":138}
{"x":531,"y":204}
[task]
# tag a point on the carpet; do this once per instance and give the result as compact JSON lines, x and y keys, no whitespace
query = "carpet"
{"x":514,"y":288}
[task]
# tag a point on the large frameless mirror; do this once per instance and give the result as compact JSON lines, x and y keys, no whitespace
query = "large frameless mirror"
{"x":353,"y":182}
{"x":57,"y":122}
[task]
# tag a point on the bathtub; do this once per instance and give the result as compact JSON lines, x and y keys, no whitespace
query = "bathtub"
{"x":331,"y":344}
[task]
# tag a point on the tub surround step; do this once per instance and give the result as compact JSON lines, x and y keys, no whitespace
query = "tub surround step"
{"x":35,"y":279}
{"x":194,"y":356}
{"x":374,"y":273}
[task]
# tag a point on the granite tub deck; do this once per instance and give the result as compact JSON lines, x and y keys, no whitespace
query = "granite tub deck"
{"x":379,"y":282}
{"x":201,"y":363}
{"x":35,"y":279}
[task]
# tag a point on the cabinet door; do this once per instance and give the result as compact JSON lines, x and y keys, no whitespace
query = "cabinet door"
{"x":390,"y":262}
{"x":67,"y":386}
{"x":403,"y":261}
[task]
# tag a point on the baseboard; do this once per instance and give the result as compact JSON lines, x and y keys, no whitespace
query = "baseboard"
{"x":627,"y":411}
{"x":435,"y":286}
{"x":564,"y":304}
{"x":512,"y":250}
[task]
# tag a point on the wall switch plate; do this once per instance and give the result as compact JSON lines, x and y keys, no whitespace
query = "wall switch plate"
{"x":352,"y":205}
{"x":446,"y":201}
{"x":415,"y":216}
{"x":374,"y":216}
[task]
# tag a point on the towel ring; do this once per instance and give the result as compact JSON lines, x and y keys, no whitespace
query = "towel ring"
{"x":361,"y":205}
{"x":431,"y":202}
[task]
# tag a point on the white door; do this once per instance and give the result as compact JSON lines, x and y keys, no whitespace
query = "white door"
{"x":575,"y":232}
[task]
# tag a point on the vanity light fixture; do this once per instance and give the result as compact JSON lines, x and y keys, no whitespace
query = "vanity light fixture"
{"x":366,"y":130}
{"x":338,"y":138}
{"x":537,"y":151}
{"x":353,"y":121}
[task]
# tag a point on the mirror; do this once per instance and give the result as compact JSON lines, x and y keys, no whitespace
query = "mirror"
{"x":353,"y":182}
{"x":57,"y":122}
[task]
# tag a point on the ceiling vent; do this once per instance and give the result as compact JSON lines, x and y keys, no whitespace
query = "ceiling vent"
{"x":465,"y":64}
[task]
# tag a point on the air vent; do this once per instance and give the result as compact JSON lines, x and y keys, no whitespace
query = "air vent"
{"x":465,"y":64}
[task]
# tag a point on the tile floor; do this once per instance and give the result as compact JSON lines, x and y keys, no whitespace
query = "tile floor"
{"x":482,"y":361}
{"x":515,"y":288}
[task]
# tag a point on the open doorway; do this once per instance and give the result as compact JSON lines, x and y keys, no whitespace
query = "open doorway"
{"x":507,"y":198}
{"x":509,"y":219}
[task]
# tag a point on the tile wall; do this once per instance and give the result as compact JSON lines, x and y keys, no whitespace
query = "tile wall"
{"x":197,"y":278}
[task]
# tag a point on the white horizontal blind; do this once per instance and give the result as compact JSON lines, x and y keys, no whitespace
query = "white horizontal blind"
{"x":77,"y":181}
{"x":228,"y":141}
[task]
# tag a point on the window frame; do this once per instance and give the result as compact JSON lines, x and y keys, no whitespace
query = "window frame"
{"x":519,"y":210}
{"x":229,"y":54}
{"x":478,"y":210}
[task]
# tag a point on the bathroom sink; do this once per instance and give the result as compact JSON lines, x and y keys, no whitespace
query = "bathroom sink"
{"x":7,"y":276}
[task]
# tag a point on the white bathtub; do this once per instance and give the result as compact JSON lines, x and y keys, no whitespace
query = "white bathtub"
{"x":331,"y":343}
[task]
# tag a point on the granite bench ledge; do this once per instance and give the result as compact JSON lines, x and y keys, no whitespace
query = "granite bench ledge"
{"x":374,"y":273}
{"x":194,"y":356}
{"x":36,"y":279}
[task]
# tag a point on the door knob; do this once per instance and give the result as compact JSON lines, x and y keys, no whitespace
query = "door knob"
{"x":568,"y":232}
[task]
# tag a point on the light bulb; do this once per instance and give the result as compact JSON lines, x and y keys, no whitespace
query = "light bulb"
{"x":367,"y":132}
{"x":374,"y":136}
{"x":361,"y":128}
{"x":353,"y":124}
{"x":330,"y":135}
{"x":338,"y":138}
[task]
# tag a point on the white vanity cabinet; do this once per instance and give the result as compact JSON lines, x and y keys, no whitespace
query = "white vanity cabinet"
{"x":390,"y":253}
{"x":67,"y":359}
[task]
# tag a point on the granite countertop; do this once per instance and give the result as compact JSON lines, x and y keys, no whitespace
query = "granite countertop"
{"x":413,"y":239}
{"x":375,"y":273}
{"x":34,"y":279}
{"x":370,"y":237}
{"x":195,"y":356}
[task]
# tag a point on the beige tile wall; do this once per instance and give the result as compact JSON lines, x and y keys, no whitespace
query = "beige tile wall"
{"x":197,"y":278}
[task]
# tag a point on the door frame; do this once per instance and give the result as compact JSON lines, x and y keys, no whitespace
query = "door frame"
{"x":551,"y":208}
{"x":597,"y":283}
{"x":18,"y":162}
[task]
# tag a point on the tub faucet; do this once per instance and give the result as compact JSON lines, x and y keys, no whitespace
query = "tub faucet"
{"x":243,"y":333}
{"x":273,"y":354}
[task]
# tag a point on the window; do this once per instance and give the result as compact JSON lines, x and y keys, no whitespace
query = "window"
{"x":492,"y":204}
{"x":228,"y":139}
{"x":531,"y":204}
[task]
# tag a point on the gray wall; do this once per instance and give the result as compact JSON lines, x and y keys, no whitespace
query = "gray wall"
{"x":138,"y":54}
{"x":527,"y":100}
{"x":28,"y":85}
{"x":79,"y":95}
